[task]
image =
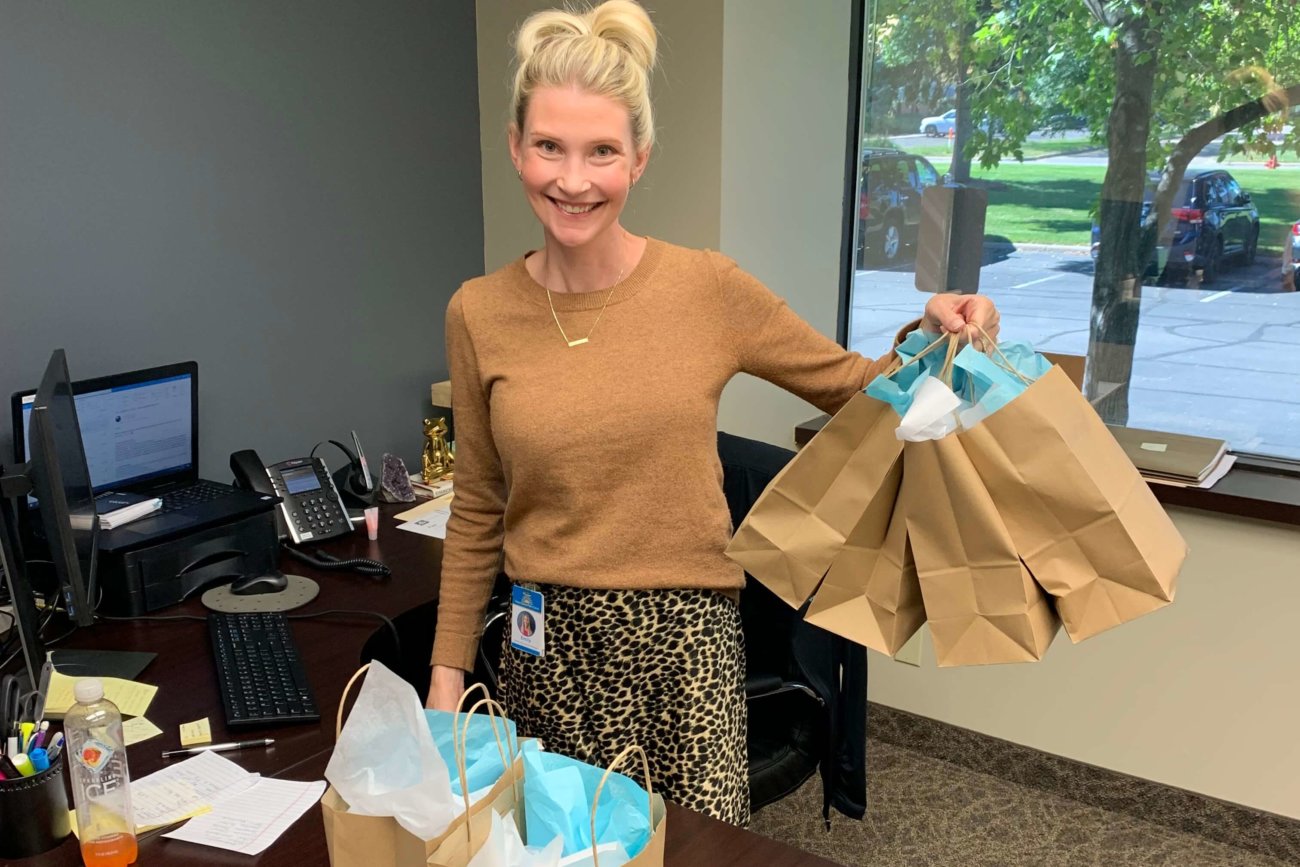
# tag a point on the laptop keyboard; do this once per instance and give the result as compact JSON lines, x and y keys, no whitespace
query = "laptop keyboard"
{"x":259,"y":669}
{"x":199,"y":492}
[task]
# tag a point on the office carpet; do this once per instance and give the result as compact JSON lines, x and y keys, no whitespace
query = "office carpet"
{"x":927,"y":812}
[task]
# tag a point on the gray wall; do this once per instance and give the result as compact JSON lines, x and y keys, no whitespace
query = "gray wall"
{"x":286,"y":192}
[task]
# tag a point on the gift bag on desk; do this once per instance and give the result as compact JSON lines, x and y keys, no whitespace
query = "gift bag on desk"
{"x":573,"y":815}
{"x":459,"y":847}
{"x":804,"y":518}
{"x":1082,"y":518}
{"x":389,"y":725}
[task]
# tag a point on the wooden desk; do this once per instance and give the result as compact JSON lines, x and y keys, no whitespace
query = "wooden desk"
{"x":331,"y":649}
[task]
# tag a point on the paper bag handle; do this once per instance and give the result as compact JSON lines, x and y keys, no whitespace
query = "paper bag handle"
{"x":898,"y":364}
{"x":343,"y":699}
{"x":649,"y":789}
{"x":1004,"y":363}
{"x":460,"y":739}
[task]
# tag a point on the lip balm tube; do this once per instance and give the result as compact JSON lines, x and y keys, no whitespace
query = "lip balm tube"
{"x":372,"y":523}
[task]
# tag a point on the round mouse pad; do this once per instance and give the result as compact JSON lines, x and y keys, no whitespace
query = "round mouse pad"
{"x":299,"y":592}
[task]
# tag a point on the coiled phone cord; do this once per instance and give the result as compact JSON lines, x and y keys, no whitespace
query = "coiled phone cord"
{"x":327,"y":561}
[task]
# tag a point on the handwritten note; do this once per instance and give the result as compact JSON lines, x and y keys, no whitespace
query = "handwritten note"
{"x":253,"y":820}
{"x":132,"y":698}
{"x":184,"y":788}
{"x":138,"y":729}
{"x":195,"y":733}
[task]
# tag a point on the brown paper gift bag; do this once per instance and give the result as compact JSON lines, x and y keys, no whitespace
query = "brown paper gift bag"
{"x":982,"y":604}
{"x":871,"y":594}
{"x":378,"y":841}
{"x":800,"y":523}
{"x":459,"y":849}
{"x":1082,"y":518}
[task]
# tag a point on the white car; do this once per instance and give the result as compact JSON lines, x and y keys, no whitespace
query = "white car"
{"x":940,"y":125}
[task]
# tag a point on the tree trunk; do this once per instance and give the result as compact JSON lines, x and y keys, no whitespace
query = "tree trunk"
{"x":959,"y":167}
{"x":1117,"y":284}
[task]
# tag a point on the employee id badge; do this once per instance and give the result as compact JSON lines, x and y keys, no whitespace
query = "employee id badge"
{"x":527,"y":624}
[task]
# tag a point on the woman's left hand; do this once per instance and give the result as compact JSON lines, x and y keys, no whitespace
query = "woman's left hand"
{"x":957,"y":314}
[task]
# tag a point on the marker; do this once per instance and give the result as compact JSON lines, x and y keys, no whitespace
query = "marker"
{"x":40,"y":761}
{"x":56,"y":746}
{"x":27,"y":729}
{"x":11,"y":745}
{"x":24,"y":765}
{"x":220,"y":748}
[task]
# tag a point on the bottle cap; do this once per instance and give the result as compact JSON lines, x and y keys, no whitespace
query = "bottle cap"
{"x":88,"y":689}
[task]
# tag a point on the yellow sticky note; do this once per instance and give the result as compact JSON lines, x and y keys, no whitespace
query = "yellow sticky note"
{"x":132,"y":698}
{"x":138,"y":729}
{"x":140,"y":829}
{"x":195,"y":733}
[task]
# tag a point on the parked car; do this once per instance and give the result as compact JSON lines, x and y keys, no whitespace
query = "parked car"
{"x":939,"y":125}
{"x":1214,"y":220}
{"x":1065,"y":123}
{"x":889,"y":204}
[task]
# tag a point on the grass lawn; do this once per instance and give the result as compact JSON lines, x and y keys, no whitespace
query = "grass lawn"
{"x":1046,"y":204}
{"x":939,"y":152}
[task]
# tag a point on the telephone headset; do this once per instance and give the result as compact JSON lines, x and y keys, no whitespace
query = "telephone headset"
{"x":311,"y":507}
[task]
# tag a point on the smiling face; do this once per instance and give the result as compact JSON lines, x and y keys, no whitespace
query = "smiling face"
{"x":577,"y":161}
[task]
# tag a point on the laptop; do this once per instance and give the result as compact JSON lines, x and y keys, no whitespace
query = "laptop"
{"x":141,"y":436}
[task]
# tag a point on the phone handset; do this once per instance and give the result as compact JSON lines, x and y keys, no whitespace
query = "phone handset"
{"x":310,"y":508}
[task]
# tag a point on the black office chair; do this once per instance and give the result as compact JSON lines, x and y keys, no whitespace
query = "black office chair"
{"x":805,"y":688}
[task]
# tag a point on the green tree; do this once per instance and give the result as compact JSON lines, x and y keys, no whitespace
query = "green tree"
{"x":1157,"y":81}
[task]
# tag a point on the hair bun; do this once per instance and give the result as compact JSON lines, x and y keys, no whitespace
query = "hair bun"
{"x":628,"y":24}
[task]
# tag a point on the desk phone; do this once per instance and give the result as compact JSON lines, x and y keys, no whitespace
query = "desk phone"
{"x":310,"y":507}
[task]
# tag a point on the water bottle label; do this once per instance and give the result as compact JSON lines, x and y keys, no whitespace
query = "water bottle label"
{"x":95,"y":754}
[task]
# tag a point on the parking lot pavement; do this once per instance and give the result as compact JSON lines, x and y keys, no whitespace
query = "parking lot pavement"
{"x":1218,"y":361}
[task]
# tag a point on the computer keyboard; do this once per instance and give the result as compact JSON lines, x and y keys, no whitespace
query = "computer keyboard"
{"x":260,"y":670}
{"x":199,"y":492}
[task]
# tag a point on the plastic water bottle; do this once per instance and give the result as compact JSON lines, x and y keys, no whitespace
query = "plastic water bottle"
{"x":101,"y":785}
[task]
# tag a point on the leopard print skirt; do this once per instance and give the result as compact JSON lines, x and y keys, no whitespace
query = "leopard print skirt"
{"x":664,"y":669}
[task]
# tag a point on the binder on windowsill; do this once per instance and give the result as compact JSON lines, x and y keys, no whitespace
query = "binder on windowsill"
{"x":1170,"y":456}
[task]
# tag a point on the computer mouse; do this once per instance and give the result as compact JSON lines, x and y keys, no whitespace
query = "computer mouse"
{"x":252,"y":585}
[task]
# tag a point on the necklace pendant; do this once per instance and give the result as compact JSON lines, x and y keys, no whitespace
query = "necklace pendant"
{"x":578,"y":342}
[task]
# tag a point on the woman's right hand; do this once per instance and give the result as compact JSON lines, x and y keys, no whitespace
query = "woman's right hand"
{"x":445,"y":688}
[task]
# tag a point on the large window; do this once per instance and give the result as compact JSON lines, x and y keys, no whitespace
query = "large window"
{"x":1143,"y":185}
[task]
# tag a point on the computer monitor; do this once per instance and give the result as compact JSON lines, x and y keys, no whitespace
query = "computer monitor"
{"x":61,"y":483}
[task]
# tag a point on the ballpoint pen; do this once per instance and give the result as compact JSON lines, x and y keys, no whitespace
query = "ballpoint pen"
{"x":219,"y":748}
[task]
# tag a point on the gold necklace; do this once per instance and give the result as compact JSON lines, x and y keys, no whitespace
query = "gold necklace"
{"x":582,"y":340}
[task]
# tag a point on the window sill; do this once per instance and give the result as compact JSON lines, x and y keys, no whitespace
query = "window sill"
{"x":1249,"y":491}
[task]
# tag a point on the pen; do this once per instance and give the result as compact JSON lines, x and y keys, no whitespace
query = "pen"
{"x":219,"y":748}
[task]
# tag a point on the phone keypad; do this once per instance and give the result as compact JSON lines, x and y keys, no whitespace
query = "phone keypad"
{"x":317,"y":515}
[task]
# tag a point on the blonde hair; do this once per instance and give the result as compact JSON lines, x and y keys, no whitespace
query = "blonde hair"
{"x":607,"y":50}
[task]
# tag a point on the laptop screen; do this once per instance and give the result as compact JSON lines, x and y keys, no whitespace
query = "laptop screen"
{"x":137,"y":428}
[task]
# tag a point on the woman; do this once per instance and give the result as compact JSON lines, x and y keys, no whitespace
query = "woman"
{"x":586,"y":378}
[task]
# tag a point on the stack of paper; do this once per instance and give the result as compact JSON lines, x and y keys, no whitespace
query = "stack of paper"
{"x":116,"y":509}
{"x":1175,"y":459}
{"x":227,"y":806}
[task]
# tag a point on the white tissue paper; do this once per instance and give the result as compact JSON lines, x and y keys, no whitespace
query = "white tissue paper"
{"x":504,"y":848}
{"x":935,"y":412}
{"x":385,"y":762}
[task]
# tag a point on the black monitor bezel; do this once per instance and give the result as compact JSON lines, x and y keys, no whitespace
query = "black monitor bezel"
{"x":134,"y":377}
{"x":47,"y":478}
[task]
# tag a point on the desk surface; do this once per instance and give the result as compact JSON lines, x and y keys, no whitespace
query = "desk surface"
{"x":331,"y":648}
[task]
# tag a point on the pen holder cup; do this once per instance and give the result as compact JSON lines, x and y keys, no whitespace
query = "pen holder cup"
{"x":34,"y":813}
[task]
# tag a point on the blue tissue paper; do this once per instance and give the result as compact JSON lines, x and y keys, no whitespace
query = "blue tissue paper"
{"x":483,"y":765}
{"x":557,"y":802}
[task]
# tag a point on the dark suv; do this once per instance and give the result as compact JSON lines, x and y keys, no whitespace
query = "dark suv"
{"x":889,"y":204}
{"x":1214,"y":219}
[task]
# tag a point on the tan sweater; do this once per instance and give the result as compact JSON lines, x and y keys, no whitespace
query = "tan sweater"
{"x":597,"y":465}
